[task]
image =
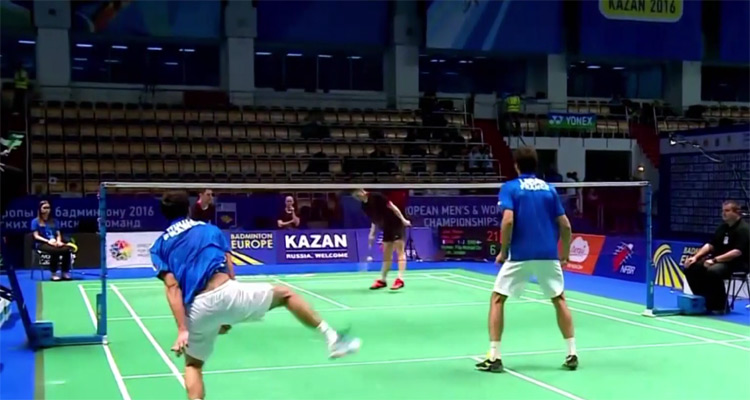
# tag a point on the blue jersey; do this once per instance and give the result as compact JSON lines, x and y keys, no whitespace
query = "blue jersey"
{"x":47,"y":231}
{"x":535,"y":207}
{"x":193,"y":251}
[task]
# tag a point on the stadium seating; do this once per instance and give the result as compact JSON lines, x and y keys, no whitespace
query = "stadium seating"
{"x":77,"y":145}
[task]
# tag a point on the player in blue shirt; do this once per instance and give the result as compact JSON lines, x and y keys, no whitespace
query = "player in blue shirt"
{"x":533,"y":222}
{"x":193,"y":259}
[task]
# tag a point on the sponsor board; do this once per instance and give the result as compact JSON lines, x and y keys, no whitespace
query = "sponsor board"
{"x":623,"y":257}
{"x":130,"y":249}
{"x":252,"y":247}
{"x":316,"y":246}
{"x":584,"y":253}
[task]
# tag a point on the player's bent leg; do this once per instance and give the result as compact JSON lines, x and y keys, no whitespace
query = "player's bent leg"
{"x":400,"y":247}
{"x":194,"y":378}
{"x":339,"y":345}
{"x":565,"y":323}
{"x":285,"y":297}
{"x":495,"y":320}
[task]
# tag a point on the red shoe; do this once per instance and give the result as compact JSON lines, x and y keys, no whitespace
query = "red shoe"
{"x":379,"y":284}
{"x":397,"y":284}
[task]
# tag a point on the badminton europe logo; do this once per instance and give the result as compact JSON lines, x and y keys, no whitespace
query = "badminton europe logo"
{"x":120,"y":250}
{"x":620,"y":258}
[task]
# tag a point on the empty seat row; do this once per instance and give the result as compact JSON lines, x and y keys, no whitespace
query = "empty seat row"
{"x":41,"y":149}
{"x":55,"y":128}
{"x":155,"y":168}
{"x":739,"y":112}
{"x":91,"y":186}
{"x":147,"y":112}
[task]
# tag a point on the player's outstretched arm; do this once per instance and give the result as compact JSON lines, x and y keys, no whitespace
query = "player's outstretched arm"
{"x":398,"y":213}
{"x":174,"y":297}
{"x":371,"y":236}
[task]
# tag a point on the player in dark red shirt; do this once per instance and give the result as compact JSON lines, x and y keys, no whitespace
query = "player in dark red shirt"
{"x":386,"y":216}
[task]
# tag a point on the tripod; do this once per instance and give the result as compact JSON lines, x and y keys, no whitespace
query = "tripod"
{"x":411,"y":251}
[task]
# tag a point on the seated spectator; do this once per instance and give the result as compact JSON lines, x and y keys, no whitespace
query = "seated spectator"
{"x":444,"y":164}
{"x":204,"y":209}
{"x":314,"y":128}
{"x":319,"y":164}
{"x":376,"y":134}
{"x":486,"y":159}
{"x":727,"y":252}
{"x":48,"y":239}
{"x":288,"y":218}
{"x":475,"y":160}
{"x":378,"y":162}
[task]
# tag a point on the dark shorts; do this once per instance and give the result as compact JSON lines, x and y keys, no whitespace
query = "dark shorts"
{"x":393,"y":233}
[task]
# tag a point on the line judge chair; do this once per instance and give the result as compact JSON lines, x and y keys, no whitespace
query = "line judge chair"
{"x":737,"y":281}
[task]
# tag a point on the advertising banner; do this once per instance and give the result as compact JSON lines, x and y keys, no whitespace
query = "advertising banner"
{"x":734,"y":32}
{"x":584,"y":253}
{"x":124,"y":213}
{"x":422,"y":245}
{"x":497,"y":25}
{"x":657,"y":29}
{"x":454,"y":211}
{"x":669,"y":260}
{"x":252,"y":247}
{"x":624,"y":258}
{"x":140,"y":213}
{"x":178,"y":18}
{"x":130,"y":249}
{"x":327,"y":246}
{"x":580,"y":122}
{"x":641,"y":10}
{"x":334,"y":22}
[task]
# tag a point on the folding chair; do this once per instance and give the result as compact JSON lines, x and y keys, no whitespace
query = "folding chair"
{"x":737,"y":281}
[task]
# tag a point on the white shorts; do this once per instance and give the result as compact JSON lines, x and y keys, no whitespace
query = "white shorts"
{"x":231,"y":303}
{"x":513,"y":276}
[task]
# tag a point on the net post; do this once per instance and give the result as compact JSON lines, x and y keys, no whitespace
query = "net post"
{"x":101,"y":326}
{"x":650,"y":271}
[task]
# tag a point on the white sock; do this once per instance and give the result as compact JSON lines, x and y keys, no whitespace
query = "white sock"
{"x":329,"y":333}
{"x":571,"y":346}
{"x":383,"y":275}
{"x":400,"y":275}
{"x":494,"y":351}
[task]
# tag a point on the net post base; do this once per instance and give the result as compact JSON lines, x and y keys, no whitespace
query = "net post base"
{"x":661,"y":312}
{"x":79,"y":340}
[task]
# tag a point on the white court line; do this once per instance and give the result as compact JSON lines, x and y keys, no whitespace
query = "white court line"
{"x":307,"y":281}
{"x":624,"y":321}
{"x":536,"y":382}
{"x":623,"y":311}
{"x":311,"y":293}
{"x":175,"y":372}
{"x":107,"y":352}
{"x":325,"y":276}
{"x":367,"y":308}
{"x":418,"y":360}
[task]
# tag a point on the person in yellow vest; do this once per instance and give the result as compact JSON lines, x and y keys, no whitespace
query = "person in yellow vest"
{"x":512,"y":113}
{"x":21,"y":87}
{"x":513,"y":104}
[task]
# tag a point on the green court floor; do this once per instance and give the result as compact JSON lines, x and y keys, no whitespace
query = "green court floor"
{"x":418,"y":343}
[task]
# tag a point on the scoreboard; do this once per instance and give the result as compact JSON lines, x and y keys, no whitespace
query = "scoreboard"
{"x":469,"y":243}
